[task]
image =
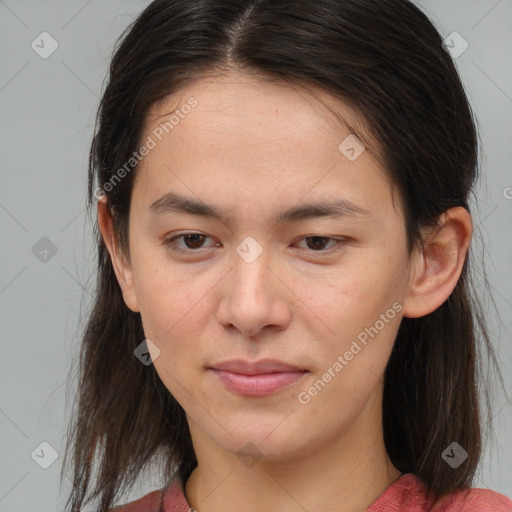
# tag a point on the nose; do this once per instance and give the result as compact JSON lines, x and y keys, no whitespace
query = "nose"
{"x":254,"y":297}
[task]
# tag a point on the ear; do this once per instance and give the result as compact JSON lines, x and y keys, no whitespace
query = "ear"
{"x":120,"y":262}
{"x":437,"y":268}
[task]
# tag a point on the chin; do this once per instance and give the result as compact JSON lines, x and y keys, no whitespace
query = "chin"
{"x":263,"y":443}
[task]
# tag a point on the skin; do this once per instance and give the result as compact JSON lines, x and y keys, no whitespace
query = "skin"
{"x":253,"y":148}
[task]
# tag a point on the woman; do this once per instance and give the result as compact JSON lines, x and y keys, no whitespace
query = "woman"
{"x":283,"y":317}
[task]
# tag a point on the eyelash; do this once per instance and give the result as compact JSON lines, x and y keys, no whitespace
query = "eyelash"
{"x":170,"y":243}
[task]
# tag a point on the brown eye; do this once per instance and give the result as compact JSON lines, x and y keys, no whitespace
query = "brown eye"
{"x":317,"y":242}
{"x":192,"y":242}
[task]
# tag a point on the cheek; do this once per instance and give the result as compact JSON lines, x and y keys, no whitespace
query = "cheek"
{"x":360,"y":304}
{"x":356,"y":294}
{"x":365,"y":320}
{"x":170,"y":311}
{"x":162,"y":299}
{"x":175,"y":311}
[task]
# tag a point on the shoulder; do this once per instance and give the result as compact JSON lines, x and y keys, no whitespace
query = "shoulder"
{"x":149,"y":503}
{"x":168,"y":499}
{"x":474,"y":500}
{"x":408,"y":492}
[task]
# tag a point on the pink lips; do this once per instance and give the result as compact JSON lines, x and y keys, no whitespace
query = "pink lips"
{"x":259,"y":378}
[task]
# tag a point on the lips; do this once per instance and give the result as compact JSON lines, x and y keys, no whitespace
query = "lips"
{"x":257,"y":368}
{"x":259,"y":378}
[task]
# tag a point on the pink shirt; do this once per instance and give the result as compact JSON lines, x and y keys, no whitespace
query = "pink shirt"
{"x":407,"y":493}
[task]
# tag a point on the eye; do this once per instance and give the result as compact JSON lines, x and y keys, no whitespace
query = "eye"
{"x":192,"y":241}
{"x":317,"y":242}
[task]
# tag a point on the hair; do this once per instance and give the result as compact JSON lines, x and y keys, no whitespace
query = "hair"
{"x":387,"y":61}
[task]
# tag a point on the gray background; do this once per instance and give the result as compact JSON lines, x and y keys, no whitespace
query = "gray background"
{"x":47,"y":113}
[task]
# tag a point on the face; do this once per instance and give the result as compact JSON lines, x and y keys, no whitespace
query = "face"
{"x":319,"y":290}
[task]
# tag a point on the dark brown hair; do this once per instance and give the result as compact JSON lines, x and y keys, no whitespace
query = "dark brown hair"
{"x":386,"y":60}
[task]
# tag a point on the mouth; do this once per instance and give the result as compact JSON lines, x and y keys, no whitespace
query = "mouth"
{"x":261,"y":378}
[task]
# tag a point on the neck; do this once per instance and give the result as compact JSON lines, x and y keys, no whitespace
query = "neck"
{"x":345,"y":473}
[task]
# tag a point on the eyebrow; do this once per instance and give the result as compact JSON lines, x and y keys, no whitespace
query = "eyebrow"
{"x":175,"y":203}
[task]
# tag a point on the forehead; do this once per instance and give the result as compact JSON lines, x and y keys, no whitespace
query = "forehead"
{"x":253,"y":110}
{"x":242,"y":138}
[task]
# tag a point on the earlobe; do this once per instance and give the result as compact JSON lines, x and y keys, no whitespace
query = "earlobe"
{"x":438,"y":267}
{"x":120,"y":263}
